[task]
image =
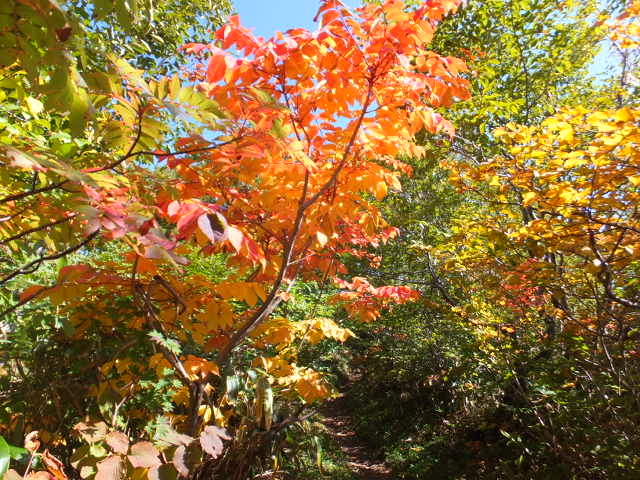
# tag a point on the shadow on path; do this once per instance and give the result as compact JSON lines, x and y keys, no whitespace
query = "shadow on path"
{"x":360,"y":460}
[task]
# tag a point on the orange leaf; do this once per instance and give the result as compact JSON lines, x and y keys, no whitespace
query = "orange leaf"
{"x":55,"y":466}
{"x":217,"y":68}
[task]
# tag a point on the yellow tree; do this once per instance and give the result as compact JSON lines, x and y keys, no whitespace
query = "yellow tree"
{"x":301,"y":133}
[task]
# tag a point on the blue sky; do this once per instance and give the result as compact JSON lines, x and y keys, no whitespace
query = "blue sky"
{"x":268,"y":16}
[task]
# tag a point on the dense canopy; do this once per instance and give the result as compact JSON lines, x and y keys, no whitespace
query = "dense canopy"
{"x":421,"y":217}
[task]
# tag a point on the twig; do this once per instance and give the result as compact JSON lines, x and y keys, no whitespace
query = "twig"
{"x":26,"y":300}
{"x":32,"y":266}
{"x":36,"y":229}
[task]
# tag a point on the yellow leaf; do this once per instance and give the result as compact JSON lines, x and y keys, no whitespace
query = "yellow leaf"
{"x":500,"y":132}
{"x":311,"y":386}
{"x":181,"y":397}
{"x":35,"y":106}
{"x":320,"y":328}
{"x":246,"y":291}
{"x":624,"y":115}
{"x":613,"y":140}
{"x":322,"y":238}
{"x":257,"y":288}
{"x":249,"y":295}
{"x":278,"y":331}
{"x":566,"y":134}
{"x":568,"y":195}
{"x":199,"y":368}
{"x":205,"y":412}
{"x":574,"y":162}
{"x":217,"y":315}
{"x":275,"y":366}
{"x":635,"y":181}
{"x":380,"y":190}
{"x":220,"y":418}
{"x":528,"y":198}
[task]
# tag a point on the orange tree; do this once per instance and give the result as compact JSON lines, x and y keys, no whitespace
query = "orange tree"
{"x":292,"y":139}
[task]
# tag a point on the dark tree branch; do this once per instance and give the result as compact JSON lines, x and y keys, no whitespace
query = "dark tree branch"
{"x":21,"y":195}
{"x":26,"y":300}
{"x":33,"y":266}
{"x":35,"y":229}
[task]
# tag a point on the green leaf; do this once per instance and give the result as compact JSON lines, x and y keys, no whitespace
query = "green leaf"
{"x":264,"y":97}
{"x":131,"y":74}
{"x":4,"y":455}
{"x":277,"y":129}
{"x":123,"y":13}
{"x":79,"y":109}
{"x":17,"y":452}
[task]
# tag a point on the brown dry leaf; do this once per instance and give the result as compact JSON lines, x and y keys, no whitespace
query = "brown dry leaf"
{"x":55,"y":466}
{"x":11,"y":475}
{"x":211,"y":440}
{"x":40,"y":476}
{"x":186,"y":458}
{"x":118,"y":442}
{"x":111,"y":468}
{"x":91,"y":432}
{"x":144,"y":455}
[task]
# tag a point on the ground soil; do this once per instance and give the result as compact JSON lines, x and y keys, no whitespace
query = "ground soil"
{"x":361,"y":460}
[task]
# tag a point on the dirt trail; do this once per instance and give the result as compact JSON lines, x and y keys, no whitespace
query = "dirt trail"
{"x":360,"y":459}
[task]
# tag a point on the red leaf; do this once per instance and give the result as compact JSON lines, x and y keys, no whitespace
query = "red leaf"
{"x":63,"y":33}
{"x":217,"y":68}
{"x":32,"y":291}
{"x":194,"y":48}
{"x":185,"y":222}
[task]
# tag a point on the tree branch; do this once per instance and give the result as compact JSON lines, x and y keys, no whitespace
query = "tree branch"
{"x":33,"y":266}
{"x":272,"y":301}
{"x":35,"y":229}
{"x":26,"y":300}
{"x":19,"y":196}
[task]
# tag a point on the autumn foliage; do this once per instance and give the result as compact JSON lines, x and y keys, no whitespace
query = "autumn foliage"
{"x":573,"y":182}
{"x":299,"y":136}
